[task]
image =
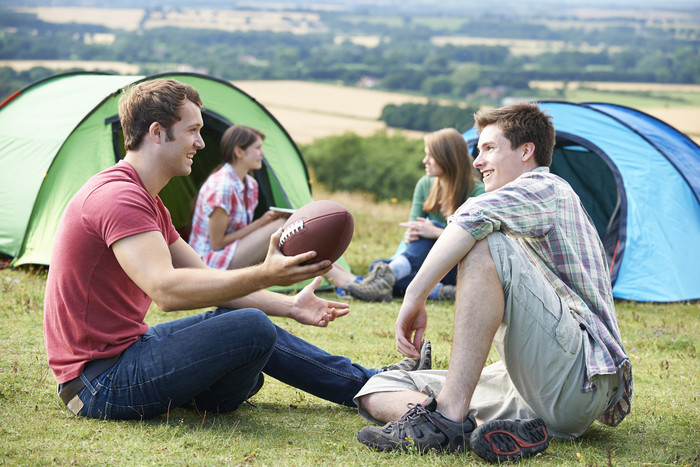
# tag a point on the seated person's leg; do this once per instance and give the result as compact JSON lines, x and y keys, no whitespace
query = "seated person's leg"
{"x":331,"y":377}
{"x":252,"y":248}
{"x":543,"y":346}
{"x":214,"y":358}
{"x":480,"y":307}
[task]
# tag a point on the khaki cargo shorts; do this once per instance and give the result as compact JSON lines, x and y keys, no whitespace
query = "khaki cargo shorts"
{"x":542,"y":349}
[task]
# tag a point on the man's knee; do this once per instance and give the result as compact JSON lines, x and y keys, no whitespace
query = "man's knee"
{"x":478,"y":263}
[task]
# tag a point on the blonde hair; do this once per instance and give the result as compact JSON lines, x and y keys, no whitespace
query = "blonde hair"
{"x":449,"y":150}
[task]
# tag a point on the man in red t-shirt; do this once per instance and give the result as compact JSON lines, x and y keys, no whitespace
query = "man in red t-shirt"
{"x":116,"y":251}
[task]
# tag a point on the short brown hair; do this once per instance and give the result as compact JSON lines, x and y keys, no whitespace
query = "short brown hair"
{"x":522,"y":123}
{"x":158,"y":100}
{"x":238,"y":136}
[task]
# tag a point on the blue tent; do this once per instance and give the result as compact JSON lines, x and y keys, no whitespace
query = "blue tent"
{"x":639,"y":179}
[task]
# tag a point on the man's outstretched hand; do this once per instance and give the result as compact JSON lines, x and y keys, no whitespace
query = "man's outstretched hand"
{"x":314,"y":311}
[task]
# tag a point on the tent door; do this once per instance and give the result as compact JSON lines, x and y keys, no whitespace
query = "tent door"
{"x":598,"y":183}
{"x":180,"y":193}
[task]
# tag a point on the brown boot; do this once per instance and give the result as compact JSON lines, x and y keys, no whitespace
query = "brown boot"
{"x":376,"y":287}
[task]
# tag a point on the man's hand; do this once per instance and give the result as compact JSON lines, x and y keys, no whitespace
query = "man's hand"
{"x":287,"y":270}
{"x":410,"y":326}
{"x":314,"y":311}
{"x":420,"y":228}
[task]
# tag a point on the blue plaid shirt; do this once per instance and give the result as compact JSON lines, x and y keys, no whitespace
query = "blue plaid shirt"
{"x":544,"y":215}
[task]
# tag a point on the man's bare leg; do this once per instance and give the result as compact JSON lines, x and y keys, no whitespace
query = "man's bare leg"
{"x":479,"y":310}
{"x":390,"y":406}
{"x":478,"y":313}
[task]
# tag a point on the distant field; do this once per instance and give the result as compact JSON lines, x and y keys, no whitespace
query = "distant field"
{"x":58,"y":65}
{"x":313,"y":110}
{"x":519,"y":47}
{"x":200,"y":18}
{"x":114,"y":18}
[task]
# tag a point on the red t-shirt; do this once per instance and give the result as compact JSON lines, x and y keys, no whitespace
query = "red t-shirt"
{"x":92,"y":309}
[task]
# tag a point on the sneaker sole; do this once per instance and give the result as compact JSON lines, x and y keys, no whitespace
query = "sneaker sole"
{"x":368,"y":298}
{"x":408,"y":445}
{"x":367,"y":438}
{"x":509,"y":440}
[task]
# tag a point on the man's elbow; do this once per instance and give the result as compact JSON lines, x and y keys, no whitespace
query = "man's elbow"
{"x":166,"y":300}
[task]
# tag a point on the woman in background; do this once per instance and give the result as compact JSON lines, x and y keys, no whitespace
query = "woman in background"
{"x":224,"y":233}
{"x":448,"y":181}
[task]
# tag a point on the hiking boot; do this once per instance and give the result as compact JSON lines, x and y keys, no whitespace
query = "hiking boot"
{"x":378,"y":286}
{"x":447,"y":292}
{"x":422,"y":428}
{"x":343,"y":293}
{"x":424,"y":362}
{"x":509,"y":440}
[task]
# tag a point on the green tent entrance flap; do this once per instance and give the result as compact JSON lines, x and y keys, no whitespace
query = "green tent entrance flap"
{"x":58,"y":132}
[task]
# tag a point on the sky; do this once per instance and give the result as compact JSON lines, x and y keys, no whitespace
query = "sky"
{"x":413,"y":5}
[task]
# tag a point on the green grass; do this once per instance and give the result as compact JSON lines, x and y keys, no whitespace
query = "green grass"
{"x":289,"y":427}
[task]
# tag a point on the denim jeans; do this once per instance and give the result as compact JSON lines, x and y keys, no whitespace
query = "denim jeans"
{"x":215,"y":359}
{"x":416,"y":252}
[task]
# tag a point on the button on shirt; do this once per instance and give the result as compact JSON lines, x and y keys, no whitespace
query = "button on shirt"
{"x":545,"y":216}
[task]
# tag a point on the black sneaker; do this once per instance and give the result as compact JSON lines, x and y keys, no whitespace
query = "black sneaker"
{"x":509,"y":440}
{"x":421,"y":428}
{"x":424,"y":362}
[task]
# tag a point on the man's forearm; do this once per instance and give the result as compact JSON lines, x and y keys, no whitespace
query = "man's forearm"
{"x":453,"y":244}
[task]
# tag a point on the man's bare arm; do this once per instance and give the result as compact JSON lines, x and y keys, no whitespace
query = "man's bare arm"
{"x":175,"y":280}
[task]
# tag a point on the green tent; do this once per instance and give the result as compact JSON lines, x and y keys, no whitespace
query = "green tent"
{"x":58,"y":132}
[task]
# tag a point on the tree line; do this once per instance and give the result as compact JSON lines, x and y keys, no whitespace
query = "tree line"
{"x":405,"y":61}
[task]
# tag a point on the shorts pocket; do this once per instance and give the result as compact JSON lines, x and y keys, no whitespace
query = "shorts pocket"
{"x":568,"y":332}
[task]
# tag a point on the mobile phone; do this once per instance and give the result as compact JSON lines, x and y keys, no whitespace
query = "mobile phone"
{"x":286,"y":210}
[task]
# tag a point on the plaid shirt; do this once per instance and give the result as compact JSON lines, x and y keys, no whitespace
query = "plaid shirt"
{"x":223,"y":189}
{"x":544,"y":215}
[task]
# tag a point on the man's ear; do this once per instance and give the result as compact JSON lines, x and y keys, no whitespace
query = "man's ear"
{"x":156,"y":132}
{"x":528,"y":151}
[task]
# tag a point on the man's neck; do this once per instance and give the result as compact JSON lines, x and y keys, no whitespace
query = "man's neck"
{"x":153,"y":180}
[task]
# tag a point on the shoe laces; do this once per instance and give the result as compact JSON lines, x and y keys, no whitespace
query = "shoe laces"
{"x":415,"y":411}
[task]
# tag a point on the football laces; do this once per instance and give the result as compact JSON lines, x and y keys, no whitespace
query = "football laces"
{"x":291,"y":230}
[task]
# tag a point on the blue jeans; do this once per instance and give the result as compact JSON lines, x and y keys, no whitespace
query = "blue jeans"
{"x":416,"y":252}
{"x":215,"y":359}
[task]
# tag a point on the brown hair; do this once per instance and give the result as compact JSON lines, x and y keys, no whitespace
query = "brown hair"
{"x":450,"y":151}
{"x":158,"y":100}
{"x":522,"y":123}
{"x":238,"y":136}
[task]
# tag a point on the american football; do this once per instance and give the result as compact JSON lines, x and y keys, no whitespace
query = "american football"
{"x":325,"y":227}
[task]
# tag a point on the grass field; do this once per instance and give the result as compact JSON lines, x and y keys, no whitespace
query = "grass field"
{"x":289,"y":427}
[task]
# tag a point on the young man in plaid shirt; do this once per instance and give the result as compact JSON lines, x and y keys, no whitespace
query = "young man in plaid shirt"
{"x":533,"y":282}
